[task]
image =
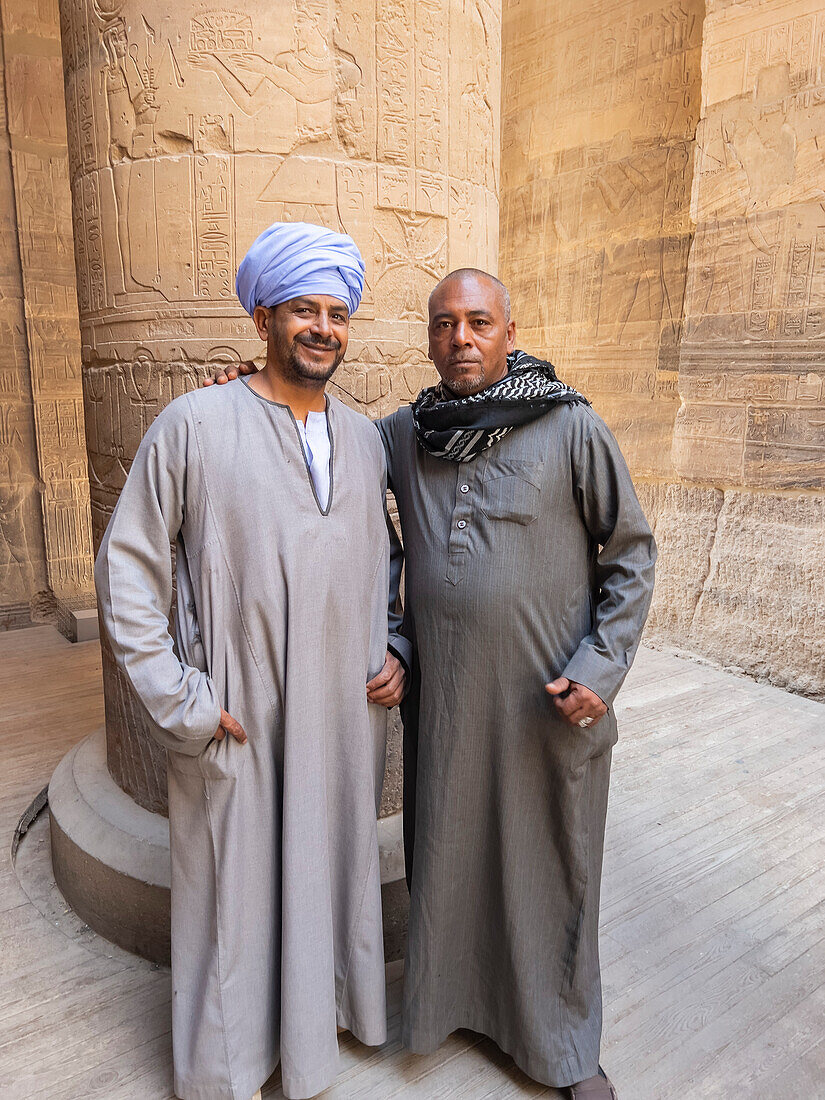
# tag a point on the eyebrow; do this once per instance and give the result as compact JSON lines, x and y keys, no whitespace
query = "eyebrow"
{"x":341,"y":308}
{"x":444,"y":313}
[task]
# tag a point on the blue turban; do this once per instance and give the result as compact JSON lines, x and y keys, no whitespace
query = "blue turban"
{"x":294,"y":258}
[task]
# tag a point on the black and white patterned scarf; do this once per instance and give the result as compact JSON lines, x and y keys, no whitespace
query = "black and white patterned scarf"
{"x":460,"y":428}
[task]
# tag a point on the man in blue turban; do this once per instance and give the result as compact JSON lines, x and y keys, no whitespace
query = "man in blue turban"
{"x":281,"y":642}
{"x":294,"y":258}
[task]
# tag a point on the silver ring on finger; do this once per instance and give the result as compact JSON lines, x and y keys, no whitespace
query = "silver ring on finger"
{"x":585,"y":722}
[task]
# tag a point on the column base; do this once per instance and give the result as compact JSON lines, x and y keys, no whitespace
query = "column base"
{"x":111,"y":858}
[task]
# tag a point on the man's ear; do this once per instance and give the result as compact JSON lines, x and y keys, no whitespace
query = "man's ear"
{"x":511,"y":336}
{"x":261,"y":316}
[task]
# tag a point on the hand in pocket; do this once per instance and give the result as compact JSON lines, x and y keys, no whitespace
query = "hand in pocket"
{"x":230,"y":726}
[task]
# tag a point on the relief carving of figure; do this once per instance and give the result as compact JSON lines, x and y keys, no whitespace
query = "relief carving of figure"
{"x":132,"y":108}
{"x":419,"y":252}
{"x":15,"y":486}
{"x":633,"y":265}
{"x":477,"y":109}
{"x":306,"y":72}
{"x":760,"y":146}
{"x":349,"y":108}
{"x":720,"y":294}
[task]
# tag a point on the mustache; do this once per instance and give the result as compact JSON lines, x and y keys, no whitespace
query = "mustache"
{"x":328,"y":345}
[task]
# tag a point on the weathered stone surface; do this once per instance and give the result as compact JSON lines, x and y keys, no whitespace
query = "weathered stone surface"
{"x":740,"y":579}
{"x":663,"y":235}
{"x":597,"y":141}
{"x":52,"y":470}
{"x":22,"y":551}
{"x":750,"y":371}
{"x":763,"y":605}
{"x":191,"y":130}
{"x":391,"y":796}
{"x":683,"y":519}
{"x":751,"y":376}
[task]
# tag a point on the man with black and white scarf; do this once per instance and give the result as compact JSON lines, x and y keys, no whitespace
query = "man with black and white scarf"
{"x":529,"y":573}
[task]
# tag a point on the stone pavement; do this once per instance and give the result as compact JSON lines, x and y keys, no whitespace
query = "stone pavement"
{"x":713,"y":913}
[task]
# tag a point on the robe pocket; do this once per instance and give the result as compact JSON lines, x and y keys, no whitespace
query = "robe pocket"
{"x":512,"y":490}
{"x":594,"y":741}
{"x":219,"y":760}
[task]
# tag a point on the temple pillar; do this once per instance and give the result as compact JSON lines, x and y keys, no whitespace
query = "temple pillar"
{"x":23,"y":580}
{"x":190,"y":131}
{"x":45,"y":531}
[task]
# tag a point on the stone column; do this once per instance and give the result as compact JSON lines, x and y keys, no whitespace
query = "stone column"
{"x":50,"y":468}
{"x":193,"y":128}
{"x":22,"y":551}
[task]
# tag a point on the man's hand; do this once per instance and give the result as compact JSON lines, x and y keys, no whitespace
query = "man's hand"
{"x":230,"y":726}
{"x":388,"y":687}
{"x":576,"y":704}
{"x":228,"y":374}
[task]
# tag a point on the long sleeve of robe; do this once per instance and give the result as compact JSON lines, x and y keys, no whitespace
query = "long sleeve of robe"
{"x":531,"y":561}
{"x":134,"y":588}
{"x":624,"y":558}
{"x":281,"y":619}
{"x":396,"y":641}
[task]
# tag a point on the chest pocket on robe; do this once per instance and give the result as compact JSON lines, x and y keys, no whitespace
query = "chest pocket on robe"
{"x":511,"y":489}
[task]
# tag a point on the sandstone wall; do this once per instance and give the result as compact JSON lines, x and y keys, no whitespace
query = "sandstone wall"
{"x":662,"y":230}
{"x":597,"y":140}
{"x":191,"y":129}
{"x":751,"y":377}
{"x":22,"y":550}
{"x":45,"y":547}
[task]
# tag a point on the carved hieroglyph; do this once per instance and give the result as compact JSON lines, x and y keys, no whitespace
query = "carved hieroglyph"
{"x":48,"y":469}
{"x":191,"y":128}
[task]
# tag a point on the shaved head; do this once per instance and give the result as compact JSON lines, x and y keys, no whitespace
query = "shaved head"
{"x":475,"y":274}
{"x":470,"y":331}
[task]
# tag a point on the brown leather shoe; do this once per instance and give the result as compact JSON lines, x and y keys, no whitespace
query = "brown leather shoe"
{"x":594,"y":1088}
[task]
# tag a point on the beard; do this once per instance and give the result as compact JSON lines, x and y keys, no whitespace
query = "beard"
{"x":466,"y":384}
{"x":302,"y":369}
